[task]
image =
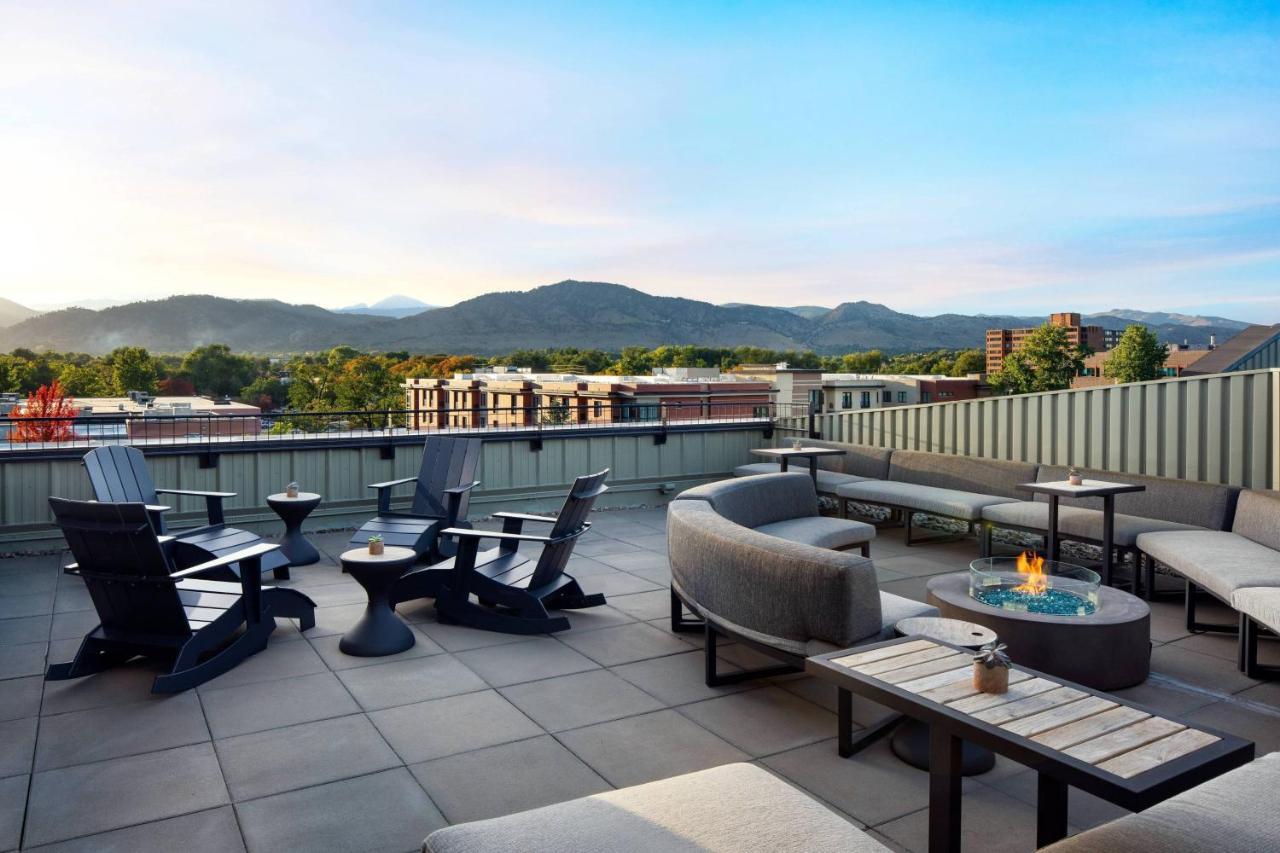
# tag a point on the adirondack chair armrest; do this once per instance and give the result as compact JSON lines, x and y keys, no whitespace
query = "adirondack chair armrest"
{"x":464,"y":533}
{"x":245,"y":556}
{"x":389,"y":483}
{"x":212,"y":501}
{"x":453,"y":500}
{"x":384,"y":492}
{"x":524,"y":516}
{"x":158,"y":508}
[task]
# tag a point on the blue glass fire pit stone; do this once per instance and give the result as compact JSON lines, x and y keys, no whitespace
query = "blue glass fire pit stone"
{"x":1054,"y":602}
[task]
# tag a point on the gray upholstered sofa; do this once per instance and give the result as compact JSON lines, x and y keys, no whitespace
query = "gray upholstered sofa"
{"x":743,"y":807}
{"x":1165,"y":505}
{"x":1225,"y":563}
{"x":785,"y":506}
{"x":856,"y":465}
{"x":788,"y":599}
{"x":958,"y":487}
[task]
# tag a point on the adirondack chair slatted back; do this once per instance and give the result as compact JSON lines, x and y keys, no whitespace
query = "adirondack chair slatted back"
{"x":446,"y":462}
{"x":569,"y":524}
{"x":123,"y":566}
{"x":118,"y":474}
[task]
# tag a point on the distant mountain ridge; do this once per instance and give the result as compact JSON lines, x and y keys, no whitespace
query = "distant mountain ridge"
{"x":393,"y":306}
{"x":11,"y":312}
{"x":570,"y":313}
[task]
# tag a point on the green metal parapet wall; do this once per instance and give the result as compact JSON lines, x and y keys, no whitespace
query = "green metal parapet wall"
{"x":646,"y":468}
{"x":1222,"y":428}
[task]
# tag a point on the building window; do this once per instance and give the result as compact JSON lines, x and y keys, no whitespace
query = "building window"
{"x":760,"y":412}
{"x":865,"y":400}
{"x":887,"y":397}
{"x":846,"y":400}
{"x":924,"y":397}
{"x":902,"y":396}
{"x":598,"y":408}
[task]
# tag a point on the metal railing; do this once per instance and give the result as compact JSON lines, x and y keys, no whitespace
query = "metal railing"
{"x":216,"y":431}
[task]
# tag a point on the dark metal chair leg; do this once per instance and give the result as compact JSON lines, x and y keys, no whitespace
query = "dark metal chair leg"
{"x":1197,"y":627}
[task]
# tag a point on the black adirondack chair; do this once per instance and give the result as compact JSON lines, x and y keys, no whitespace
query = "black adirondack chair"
{"x":514,"y":591}
{"x":148,"y":608}
{"x":118,"y":473}
{"x":442,"y":492}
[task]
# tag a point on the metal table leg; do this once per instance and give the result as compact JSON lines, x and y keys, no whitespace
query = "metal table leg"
{"x":1053,"y":527}
{"x":1051,"y":810}
{"x":1108,"y":535}
{"x":944,"y":791}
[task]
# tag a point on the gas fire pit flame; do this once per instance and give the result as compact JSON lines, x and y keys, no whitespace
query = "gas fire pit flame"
{"x":1031,"y":565}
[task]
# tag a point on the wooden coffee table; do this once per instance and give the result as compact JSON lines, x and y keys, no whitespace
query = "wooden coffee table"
{"x":1072,"y":736}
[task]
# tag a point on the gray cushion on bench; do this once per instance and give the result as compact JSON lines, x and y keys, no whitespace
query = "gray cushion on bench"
{"x":1261,"y":604}
{"x":1258,"y":517}
{"x":730,"y":808}
{"x":828,"y":481}
{"x":762,"y":499}
{"x":1215,"y":560}
{"x":1077,"y":521}
{"x":947,"y":502}
{"x":1238,"y":811}
{"x":820,"y":531}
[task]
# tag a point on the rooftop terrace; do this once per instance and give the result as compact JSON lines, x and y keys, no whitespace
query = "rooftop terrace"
{"x":305,"y":748}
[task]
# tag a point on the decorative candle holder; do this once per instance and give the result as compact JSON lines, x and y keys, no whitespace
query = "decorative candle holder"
{"x":991,"y":669}
{"x":375,"y":545}
{"x":1074,"y":477}
{"x":796,"y":444}
{"x":291,"y":490}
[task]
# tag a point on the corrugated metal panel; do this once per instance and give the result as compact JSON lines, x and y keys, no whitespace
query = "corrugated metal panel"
{"x":1223,"y":428}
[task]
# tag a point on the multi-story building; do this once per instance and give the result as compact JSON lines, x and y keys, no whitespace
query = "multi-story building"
{"x":799,"y":388}
{"x":1178,"y":361}
{"x":518,"y":397}
{"x":1002,"y":342}
{"x":141,"y":416}
{"x":842,"y":392}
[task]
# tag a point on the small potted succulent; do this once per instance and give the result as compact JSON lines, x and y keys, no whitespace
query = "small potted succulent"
{"x":291,"y":490}
{"x":991,"y":669}
{"x":797,"y":443}
{"x":375,"y":545}
{"x":1074,"y":477}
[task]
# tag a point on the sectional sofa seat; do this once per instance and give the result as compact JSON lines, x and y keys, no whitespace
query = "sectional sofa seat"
{"x":785,"y":506}
{"x":958,"y":487}
{"x":856,"y":465}
{"x":725,"y":809}
{"x":738,"y":807}
{"x":793,"y":599}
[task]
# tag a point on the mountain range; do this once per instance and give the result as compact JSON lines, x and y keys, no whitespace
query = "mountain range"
{"x":392,"y":306}
{"x":570,"y":313}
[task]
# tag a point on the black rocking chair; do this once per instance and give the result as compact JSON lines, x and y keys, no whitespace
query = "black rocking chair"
{"x":119,"y":474}
{"x":442,"y":492}
{"x":515,"y":592}
{"x":147,"y":608}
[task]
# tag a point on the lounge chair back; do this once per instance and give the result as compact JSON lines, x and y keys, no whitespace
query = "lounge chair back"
{"x":118,"y":473}
{"x":124,"y":567}
{"x":447,"y":461}
{"x":570,"y":524}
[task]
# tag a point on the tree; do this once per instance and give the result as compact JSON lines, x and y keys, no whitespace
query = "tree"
{"x":132,"y":369}
{"x":1138,"y":357}
{"x":868,"y":361}
{"x":265,"y":392}
{"x":216,"y":371}
{"x":89,"y":380}
{"x":177,"y":386}
{"x":1046,"y":361}
{"x":32,"y":422}
{"x":365,"y":384}
{"x":969,"y":361}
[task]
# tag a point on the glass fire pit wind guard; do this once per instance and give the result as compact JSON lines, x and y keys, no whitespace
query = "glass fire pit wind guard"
{"x":1030,"y":584}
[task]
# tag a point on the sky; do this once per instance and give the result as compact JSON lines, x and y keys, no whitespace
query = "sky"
{"x":972,"y":157}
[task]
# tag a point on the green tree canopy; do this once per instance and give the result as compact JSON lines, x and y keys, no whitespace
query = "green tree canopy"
{"x":133,"y":369}
{"x":1137,"y":357}
{"x":216,"y":371}
{"x":1046,"y":361}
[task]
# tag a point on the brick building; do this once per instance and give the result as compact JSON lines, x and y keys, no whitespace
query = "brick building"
{"x":1002,"y":342}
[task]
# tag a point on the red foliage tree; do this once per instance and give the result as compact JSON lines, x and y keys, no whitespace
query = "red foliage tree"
{"x":177,"y":386}
{"x":47,"y":401}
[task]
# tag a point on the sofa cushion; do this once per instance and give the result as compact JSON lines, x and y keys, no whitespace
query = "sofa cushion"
{"x":1238,"y":811}
{"x":1258,"y":517}
{"x":1207,"y":505}
{"x":760,"y":499}
{"x":947,"y":502}
{"x":729,"y":808}
{"x":961,"y":473}
{"x":1215,"y":560}
{"x":1261,"y":604}
{"x":787,"y":593}
{"x":828,"y":481}
{"x":1077,"y":522}
{"x":820,"y":531}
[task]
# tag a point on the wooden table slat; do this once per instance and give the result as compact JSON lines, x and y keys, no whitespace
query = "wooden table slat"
{"x":1026,"y":707}
{"x":1130,"y":764}
{"x":1090,"y":727}
{"x":950,"y":691}
{"x":1060,"y":716}
{"x":890,"y":664}
{"x":856,"y":660}
{"x":1122,"y":740}
{"x":1016,"y":692}
{"x":911,"y":673}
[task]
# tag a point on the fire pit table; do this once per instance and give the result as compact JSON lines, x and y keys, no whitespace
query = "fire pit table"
{"x":1060,"y":620}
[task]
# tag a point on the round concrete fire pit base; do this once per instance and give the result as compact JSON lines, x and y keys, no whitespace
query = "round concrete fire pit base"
{"x":1107,"y":650}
